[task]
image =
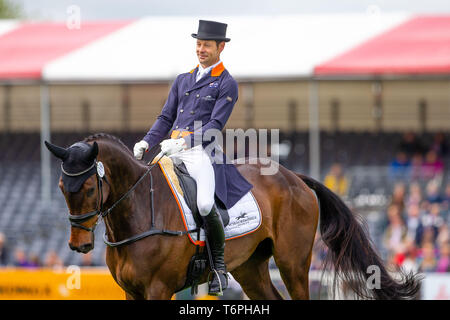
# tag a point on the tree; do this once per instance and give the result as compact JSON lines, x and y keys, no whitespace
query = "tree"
{"x":8,"y":10}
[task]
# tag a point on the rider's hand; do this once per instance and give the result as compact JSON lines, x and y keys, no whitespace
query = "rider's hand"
{"x":171,"y":146}
{"x":139,"y":149}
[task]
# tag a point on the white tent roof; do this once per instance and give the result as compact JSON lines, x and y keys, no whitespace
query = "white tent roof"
{"x":7,"y":25}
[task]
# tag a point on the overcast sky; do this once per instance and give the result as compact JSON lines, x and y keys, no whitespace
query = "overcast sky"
{"x":126,"y":9}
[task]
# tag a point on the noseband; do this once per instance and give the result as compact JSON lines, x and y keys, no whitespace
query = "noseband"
{"x":76,"y":220}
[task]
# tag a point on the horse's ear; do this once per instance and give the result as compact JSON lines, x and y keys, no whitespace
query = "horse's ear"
{"x":94,"y":151}
{"x":58,"y":152}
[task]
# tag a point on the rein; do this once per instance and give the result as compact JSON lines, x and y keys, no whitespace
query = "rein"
{"x":76,"y":220}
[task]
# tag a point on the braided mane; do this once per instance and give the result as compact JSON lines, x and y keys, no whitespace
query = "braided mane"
{"x":106,"y":136}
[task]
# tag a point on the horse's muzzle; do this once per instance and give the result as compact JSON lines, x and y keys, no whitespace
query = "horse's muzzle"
{"x":84,"y":248}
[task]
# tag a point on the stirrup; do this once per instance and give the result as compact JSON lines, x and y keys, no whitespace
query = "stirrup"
{"x":216,"y":273}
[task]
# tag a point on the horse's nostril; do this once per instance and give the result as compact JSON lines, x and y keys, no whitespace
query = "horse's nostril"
{"x":86,"y":247}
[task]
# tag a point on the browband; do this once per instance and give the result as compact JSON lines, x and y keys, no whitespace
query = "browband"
{"x":78,"y":173}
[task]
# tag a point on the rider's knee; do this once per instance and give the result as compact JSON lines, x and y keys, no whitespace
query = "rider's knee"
{"x":204,"y":207}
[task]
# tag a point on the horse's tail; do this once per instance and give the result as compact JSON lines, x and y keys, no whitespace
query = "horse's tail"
{"x":353,"y":255}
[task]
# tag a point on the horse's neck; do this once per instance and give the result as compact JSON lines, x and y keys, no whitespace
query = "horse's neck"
{"x":129,"y":215}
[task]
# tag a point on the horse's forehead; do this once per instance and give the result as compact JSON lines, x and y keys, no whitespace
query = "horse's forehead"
{"x":78,"y":157}
{"x":78,"y":166}
{"x":80,"y":146}
{"x":79,"y":150}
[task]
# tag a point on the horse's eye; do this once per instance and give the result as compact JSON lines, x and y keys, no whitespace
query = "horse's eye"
{"x":90,"y":192}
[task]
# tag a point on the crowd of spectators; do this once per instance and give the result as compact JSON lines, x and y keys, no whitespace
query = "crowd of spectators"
{"x":17,"y":257}
{"x":414,"y":160}
{"x":416,"y":234}
{"x":415,"y":231}
{"x":415,"y":225}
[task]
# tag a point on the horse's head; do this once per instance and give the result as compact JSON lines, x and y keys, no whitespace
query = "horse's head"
{"x":81,"y":182}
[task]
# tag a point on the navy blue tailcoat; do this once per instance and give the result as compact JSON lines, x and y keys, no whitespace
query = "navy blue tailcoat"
{"x":211,"y":101}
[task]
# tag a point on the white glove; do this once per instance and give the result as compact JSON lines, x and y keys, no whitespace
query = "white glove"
{"x":139,"y":149}
{"x":171,"y":146}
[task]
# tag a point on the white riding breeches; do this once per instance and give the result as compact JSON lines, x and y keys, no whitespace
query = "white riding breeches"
{"x":199,"y":166}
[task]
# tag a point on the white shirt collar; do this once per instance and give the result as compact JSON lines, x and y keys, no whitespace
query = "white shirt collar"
{"x":202,"y":71}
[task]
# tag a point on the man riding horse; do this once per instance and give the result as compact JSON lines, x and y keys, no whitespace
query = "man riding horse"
{"x":208,"y":94}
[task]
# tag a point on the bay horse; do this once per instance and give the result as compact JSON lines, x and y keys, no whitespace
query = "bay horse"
{"x":155,"y":267}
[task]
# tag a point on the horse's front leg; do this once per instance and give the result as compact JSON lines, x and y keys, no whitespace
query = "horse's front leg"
{"x":129,"y":296}
{"x":158,"y":290}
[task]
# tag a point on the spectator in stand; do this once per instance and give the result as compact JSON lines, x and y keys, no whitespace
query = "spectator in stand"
{"x":35,"y":261}
{"x":408,"y":260}
{"x":414,"y":223}
{"x":86,"y":260}
{"x":336,"y":181}
{"x":53,"y":261}
{"x":20,"y":259}
{"x":400,"y":167}
{"x":410,"y":144}
{"x":443,"y":264}
{"x":439,"y":145}
{"x":428,"y":259}
{"x":416,"y":167}
{"x":446,"y":202}
{"x":428,"y":236}
{"x":447,"y":192}
{"x":396,"y":232}
{"x":433,"y":221}
{"x":443,"y":235}
{"x":414,"y":195}
{"x":432,"y":192}
{"x":398,"y":196}
{"x":3,"y":250}
{"x":433,"y":167}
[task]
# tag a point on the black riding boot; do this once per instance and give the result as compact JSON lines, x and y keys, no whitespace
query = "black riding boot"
{"x":216,"y":240}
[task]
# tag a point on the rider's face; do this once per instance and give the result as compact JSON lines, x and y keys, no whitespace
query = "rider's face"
{"x":208,"y":52}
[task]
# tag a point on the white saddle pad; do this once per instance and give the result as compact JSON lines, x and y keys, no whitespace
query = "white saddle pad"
{"x":245,"y":216}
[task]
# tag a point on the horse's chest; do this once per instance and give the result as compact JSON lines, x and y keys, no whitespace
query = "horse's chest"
{"x":124,"y":274}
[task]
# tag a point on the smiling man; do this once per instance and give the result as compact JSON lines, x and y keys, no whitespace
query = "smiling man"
{"x":206,"y":95}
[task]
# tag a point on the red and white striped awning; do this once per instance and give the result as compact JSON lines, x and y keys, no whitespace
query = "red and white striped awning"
{"x":27,"y":49}
{"x":420,"y":45}
{"x":261,"y":47}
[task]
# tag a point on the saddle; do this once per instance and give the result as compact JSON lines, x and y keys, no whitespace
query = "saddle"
{"x":189,"y":187}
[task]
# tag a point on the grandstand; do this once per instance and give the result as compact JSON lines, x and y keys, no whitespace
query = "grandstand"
{"x":39,"y":229}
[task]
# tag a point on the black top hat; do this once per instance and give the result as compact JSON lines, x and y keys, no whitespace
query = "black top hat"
{"x":211,"y":30}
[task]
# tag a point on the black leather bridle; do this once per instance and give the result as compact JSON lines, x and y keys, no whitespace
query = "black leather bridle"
{"x":76,"y":220}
